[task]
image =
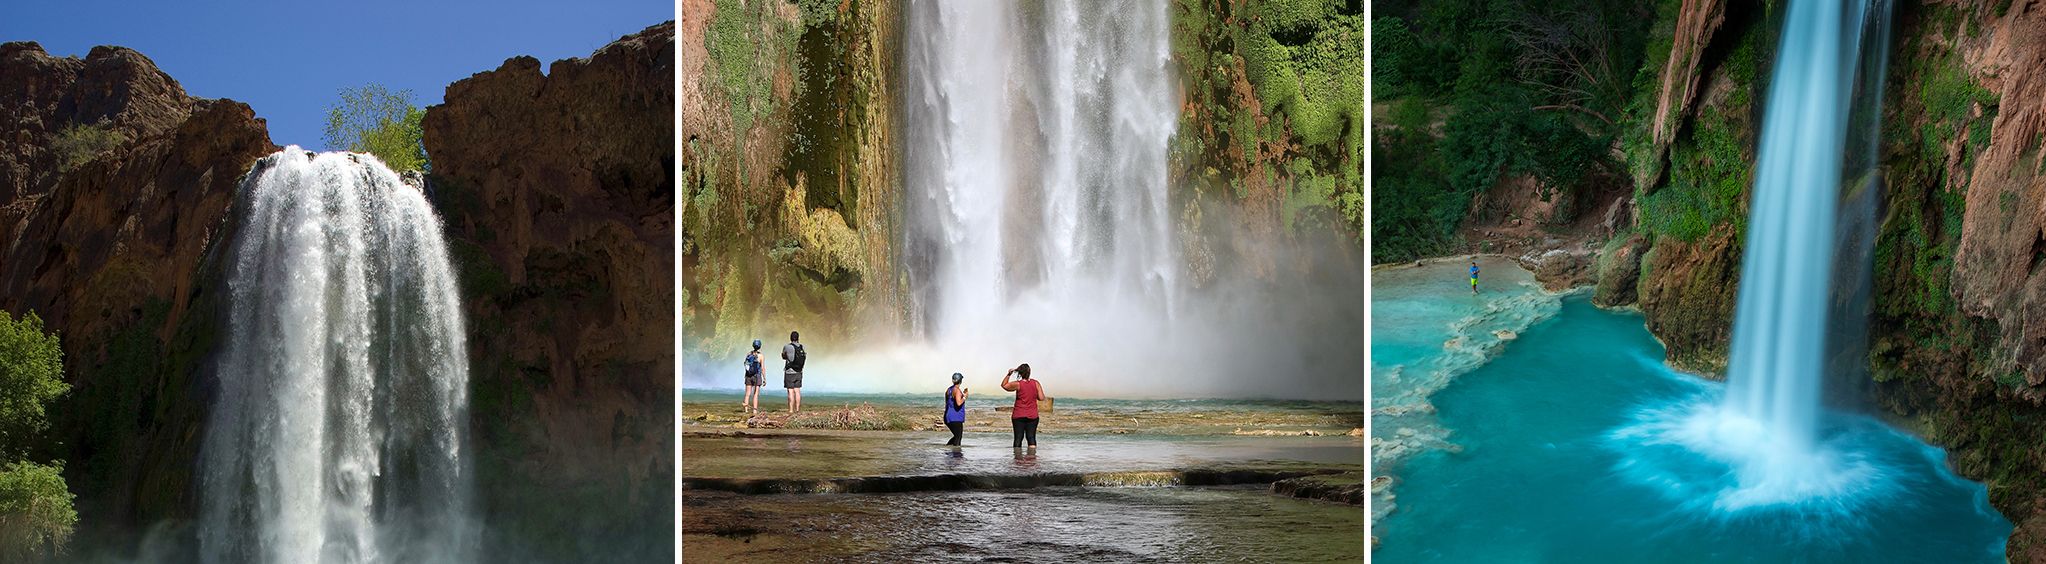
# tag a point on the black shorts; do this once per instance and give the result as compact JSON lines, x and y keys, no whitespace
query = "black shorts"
{"x":755,"y":379}
{"x":791,"y":380}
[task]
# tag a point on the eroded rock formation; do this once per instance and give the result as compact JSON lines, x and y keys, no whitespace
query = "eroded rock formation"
{"x":114,"y":183}
{"x":558,"y":190}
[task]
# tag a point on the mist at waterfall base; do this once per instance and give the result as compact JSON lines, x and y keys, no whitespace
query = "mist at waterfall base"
{"x":338,"y":431}
{"x":1042,"y":227}
{"x":1292,"y":339}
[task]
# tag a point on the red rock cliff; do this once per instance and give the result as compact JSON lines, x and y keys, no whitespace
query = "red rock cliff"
{"x":558,"y":192}
{"x":104,"y":240}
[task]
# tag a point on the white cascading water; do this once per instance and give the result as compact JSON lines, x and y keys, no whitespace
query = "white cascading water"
{"x":1768,"y":425}
{"x":338,"y":432}
{"x":1040,"y":228}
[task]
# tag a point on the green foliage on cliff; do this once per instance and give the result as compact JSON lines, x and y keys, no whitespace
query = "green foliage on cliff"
{"x":746,"y":43}
{"x":80,"y":144}
{"x":36,"y":517}
{"x":780,"y":228}
{"x":1710,"y":170}
{"x":1636,"y":147}
{"x":1307,"y":62}
{"x":1915,"y":250}
{"x":1273,"y":111}
{"x":1950,"y":101}
{"x":373,"y":119}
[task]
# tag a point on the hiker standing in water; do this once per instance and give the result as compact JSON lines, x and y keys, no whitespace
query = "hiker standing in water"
{"x":754,"y":379}
{"x":1474,"y":278}
{"x":793,"y":358}
{"x":1023,"y":417}
{"x":955,"y":408}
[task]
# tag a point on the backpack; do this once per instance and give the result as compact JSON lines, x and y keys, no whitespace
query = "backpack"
{"x":796,"y":363}
{"x":752,"y":364}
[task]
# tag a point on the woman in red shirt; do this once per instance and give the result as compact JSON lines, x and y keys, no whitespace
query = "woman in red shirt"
{"x":1023,"y":417}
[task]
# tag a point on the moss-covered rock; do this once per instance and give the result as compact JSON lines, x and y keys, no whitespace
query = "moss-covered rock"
{"x":1619,"y":270}
{"x":789,"y":177}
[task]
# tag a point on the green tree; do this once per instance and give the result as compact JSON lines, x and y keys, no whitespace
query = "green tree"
{"x":31,"y":374}
{"x":36,"y":516}
{"x":373,"y":119}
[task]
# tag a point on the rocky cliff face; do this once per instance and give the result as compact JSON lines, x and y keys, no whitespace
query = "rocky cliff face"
{"x":558,"y":191}
{"x":113,"y":186}
{"x":1975,"y":96}
{"x":1692,"y":164}
{"x":790,"y":173}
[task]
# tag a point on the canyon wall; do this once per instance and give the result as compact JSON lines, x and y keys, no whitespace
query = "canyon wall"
{"x":558,"y":191}
{"x":790,"y":174}
{"x":114,"y":186}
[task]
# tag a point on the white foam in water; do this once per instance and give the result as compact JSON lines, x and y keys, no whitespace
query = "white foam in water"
{"x":1729,"y":463}
{"x":338,"y":430}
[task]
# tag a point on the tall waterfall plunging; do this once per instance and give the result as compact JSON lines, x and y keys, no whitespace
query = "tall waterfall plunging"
{"x":1778,"y":353}
{"x":338,"y":433}
{"x":1037,"y":174}
{"x":1769,"y":430}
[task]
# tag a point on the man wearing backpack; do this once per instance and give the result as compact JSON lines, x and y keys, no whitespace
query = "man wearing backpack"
{"x":793,"y":357}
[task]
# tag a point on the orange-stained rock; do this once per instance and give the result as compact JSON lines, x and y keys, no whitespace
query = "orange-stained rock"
{"x":2000,"y":265}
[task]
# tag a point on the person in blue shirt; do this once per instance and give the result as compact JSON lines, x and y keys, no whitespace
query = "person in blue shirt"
{"x":1474,"y":278}
{"x":754,"y":380}
{"x":955,"y":408}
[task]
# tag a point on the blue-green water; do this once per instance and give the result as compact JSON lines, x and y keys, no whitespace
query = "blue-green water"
{"x":1430,"y":329}
{"x":1569,"y":445}
{"x":774,"y":397}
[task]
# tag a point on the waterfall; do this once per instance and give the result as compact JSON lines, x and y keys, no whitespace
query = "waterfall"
{"x":338,"y":432}
{"x":1779,"y":350}
{"x":1036,"y":169}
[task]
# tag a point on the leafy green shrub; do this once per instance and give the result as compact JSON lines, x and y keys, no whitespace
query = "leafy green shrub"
{"x":31,"y":374}
{"x":1393,"y":49}
{"x":373,"y":119}
{"x":36,"y":516}
{"x":1492,"y":67}
{"x":80,"y":144}
{"x":1414,"y":208}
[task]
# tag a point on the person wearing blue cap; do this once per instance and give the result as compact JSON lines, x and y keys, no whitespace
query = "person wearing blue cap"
{"x":955,"y":408}
{"x":754,"y":380}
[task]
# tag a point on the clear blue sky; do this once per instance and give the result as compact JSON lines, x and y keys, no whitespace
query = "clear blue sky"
{"x":289,"y":59}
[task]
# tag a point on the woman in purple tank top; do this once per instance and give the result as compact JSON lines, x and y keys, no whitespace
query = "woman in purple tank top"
{"x":955,"y":408}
